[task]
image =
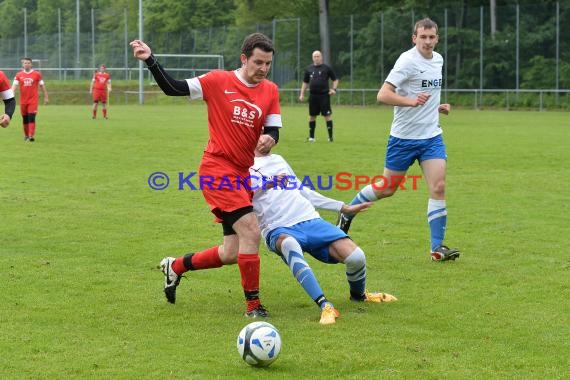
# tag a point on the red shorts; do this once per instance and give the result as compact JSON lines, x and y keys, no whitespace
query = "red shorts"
{"x":225,"y":187}
{"x":100,"y":96}
{"x":28,"y":108}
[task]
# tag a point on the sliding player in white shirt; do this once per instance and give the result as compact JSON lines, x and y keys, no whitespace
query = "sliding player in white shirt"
{"x":290,"y":226}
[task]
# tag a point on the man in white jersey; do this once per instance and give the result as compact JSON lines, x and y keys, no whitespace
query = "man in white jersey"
{"x":413,"y":87}
{"x":290,"y":225}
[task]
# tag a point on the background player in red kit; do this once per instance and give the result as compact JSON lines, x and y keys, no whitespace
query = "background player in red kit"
{"x":29,"y":80}
{"x":99,"y":89}
{"x":7,"y":96}
{"x":243,"y":114}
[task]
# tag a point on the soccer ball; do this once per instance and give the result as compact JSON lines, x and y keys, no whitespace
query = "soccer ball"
{"x":259,"y":344}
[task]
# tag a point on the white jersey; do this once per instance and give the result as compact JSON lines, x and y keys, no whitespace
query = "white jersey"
{"x":413,"y":74}
{"x":283,"y":206}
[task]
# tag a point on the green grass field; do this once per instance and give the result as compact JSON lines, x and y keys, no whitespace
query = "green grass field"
{"x":81,"y":234}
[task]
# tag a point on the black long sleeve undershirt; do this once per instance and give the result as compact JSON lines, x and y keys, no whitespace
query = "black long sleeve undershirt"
{"x":174,"y":87}
{"x":273,"y":132}
{"x":9,"y":106}
{"x":168,"y":85}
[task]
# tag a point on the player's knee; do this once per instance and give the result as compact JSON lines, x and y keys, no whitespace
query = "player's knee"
{"x":254,"y":230}
{"x":437,"y":189}
{"x":355,"y":261}
{"x":289,"y":248}
{"x":287,"y":242}
{"x":229,"y":258}
{"x":228,"y":253}
{"x":249,"y":236}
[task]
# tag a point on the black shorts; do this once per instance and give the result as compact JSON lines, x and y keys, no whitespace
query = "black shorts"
{"x":320,"y":105}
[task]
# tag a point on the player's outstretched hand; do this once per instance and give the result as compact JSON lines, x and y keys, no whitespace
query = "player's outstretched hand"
{"x":355,"y":209}
{"x":140,"y":49}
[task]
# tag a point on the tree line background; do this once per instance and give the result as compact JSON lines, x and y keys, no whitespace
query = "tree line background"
{"x":479,"y":38}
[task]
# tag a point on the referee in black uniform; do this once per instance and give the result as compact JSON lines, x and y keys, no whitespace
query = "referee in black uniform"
{"x":317,"y":78}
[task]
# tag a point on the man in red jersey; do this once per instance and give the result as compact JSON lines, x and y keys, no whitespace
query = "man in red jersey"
{"x":9,"y":101}
{"x":29,"y":80}
{"x":100,"y":87}
{"x":243,"y":114}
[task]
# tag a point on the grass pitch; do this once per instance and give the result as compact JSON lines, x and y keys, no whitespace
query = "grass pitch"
{"x":81,"y":234}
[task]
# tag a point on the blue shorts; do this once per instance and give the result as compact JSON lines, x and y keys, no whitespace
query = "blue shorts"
{"x":401,"y":153}
{"x":314,"y":236}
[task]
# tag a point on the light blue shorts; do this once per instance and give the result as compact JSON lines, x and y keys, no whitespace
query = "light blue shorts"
{"x":401,"y":153}
{"x":314,"y":236}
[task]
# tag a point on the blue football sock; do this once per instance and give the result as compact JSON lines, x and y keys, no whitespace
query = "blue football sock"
{"x":293,"y":256}
{"x":364,"y":195}
{"x":437,"y":219}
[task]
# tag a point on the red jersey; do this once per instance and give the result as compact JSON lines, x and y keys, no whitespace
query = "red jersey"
{"x":237,"y":113}
{"x":29,"y":83}
{"x":5,"y":88}
{"x":100,"y":81}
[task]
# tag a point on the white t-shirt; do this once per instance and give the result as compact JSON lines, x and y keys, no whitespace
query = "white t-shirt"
{"x":413,"y":74}
{"x":284,"y":206}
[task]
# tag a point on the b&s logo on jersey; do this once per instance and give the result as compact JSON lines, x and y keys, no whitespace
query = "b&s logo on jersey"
{"x":245,"y":113}
{"x":28,"y":82}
